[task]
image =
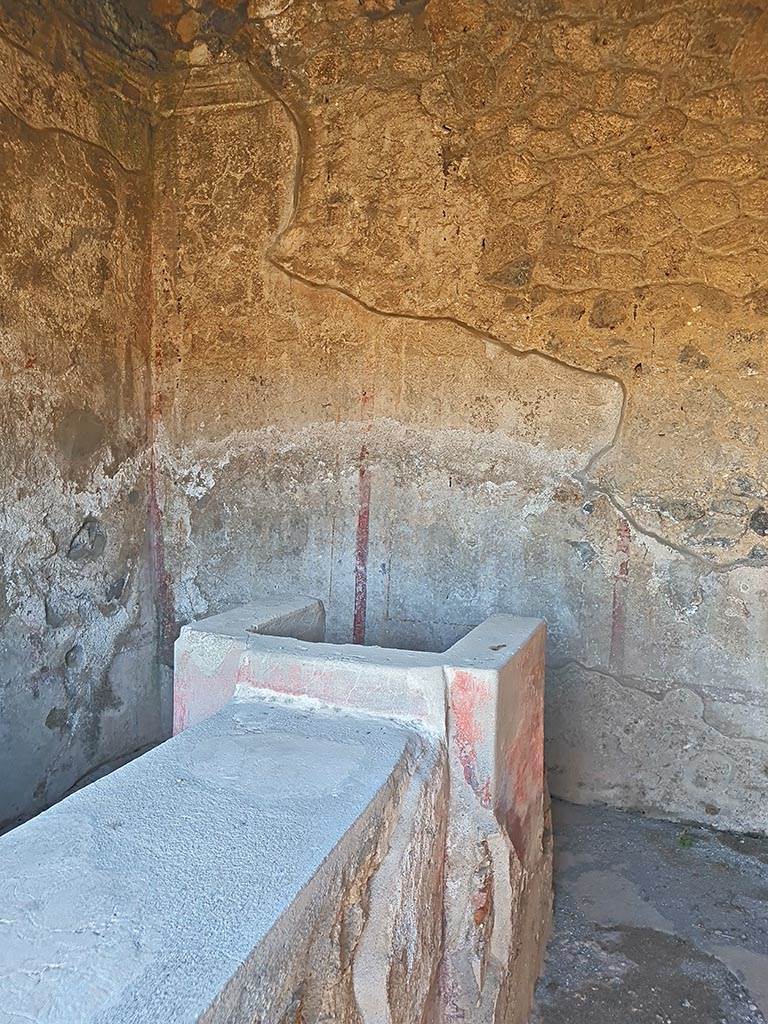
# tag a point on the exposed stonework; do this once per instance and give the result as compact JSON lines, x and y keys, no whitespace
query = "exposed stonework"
{"x":462,"y":309}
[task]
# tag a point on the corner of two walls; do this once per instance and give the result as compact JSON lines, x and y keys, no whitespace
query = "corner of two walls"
{"x":461,"y":310}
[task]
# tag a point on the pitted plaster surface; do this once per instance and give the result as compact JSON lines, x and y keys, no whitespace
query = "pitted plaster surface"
{"x":78,"y":687}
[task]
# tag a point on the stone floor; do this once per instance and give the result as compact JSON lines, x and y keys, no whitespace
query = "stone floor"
{"x":655,"y":923}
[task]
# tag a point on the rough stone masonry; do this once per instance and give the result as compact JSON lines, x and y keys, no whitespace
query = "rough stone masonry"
{"x":433,"y":308}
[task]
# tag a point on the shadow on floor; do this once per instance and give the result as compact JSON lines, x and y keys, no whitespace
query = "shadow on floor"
{"x":655,"y":923}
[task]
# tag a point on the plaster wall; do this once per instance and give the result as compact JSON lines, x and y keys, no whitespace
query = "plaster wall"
{"x":461,"y":307}
{"x":457,"y":307}
{"x":77,"y":625}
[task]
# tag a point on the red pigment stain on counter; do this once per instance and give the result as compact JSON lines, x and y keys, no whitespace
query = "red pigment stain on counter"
{"x":199,"y":692}
{"x":467,"y":695}
{"x":524,"y":765}
{"x":294,"y":679}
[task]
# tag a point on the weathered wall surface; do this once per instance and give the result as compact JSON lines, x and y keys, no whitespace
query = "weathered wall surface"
{"x":462,"y":307}
{"x":456,"y":307}
{"x":77,"y":626}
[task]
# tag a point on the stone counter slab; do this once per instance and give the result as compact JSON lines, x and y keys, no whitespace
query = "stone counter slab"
{"x":139,"y":898}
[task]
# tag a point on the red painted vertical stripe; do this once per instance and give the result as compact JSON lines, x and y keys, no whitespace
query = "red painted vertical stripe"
{"x":361,"y":547}
{"x":619,"y":611}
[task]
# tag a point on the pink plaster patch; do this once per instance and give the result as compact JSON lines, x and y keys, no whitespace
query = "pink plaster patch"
{"x":468,"y":694}
{"x":294,"y":679}
{"x":524,"y":765}
{"x":198,"y":694}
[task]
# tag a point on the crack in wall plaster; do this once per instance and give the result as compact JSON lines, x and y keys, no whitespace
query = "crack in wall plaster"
{"x":57,"y":130}
{"x":590,"y":488}
{"x":658,"y":695}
